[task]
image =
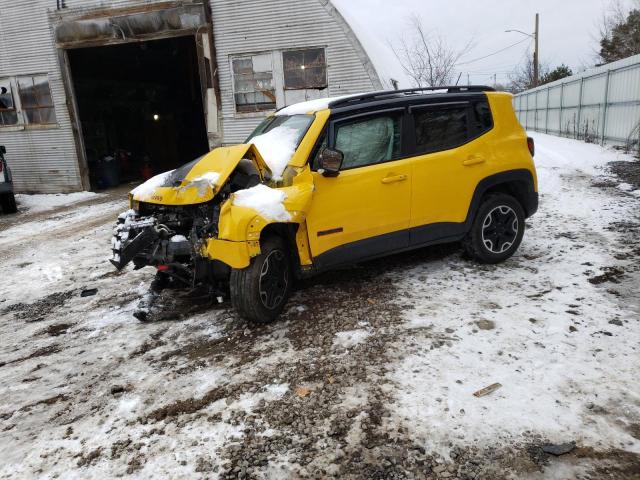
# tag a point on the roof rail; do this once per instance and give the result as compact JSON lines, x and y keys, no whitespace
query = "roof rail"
{"x":408,"y":91}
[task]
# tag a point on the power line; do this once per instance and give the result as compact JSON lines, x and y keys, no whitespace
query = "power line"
{"x":494,"y":53}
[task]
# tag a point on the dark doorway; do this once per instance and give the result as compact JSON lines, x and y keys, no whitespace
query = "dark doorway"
{"x":140,"y":106}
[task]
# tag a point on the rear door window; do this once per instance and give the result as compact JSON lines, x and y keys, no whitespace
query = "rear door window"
{"x":440,"y":128}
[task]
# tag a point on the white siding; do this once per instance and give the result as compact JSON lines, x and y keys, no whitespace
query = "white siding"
{"x":42,"y":160}
{"x":243,"y":26}
{"x":601,"y":104}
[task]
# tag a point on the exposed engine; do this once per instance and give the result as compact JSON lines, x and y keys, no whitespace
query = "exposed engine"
{"x":171,"y":237}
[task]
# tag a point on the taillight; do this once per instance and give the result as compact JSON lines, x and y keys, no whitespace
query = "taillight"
{"x":531,"y":145}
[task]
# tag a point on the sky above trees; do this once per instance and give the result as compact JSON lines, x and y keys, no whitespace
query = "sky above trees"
{"x":569,"y":29}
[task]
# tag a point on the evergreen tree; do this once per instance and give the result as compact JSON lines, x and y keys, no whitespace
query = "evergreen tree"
{"x":622,"y":40}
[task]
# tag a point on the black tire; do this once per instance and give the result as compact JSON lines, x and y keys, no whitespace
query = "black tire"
{"x":497,"y":229}
{"x":260,"y":291}
{"x":8,"y":202}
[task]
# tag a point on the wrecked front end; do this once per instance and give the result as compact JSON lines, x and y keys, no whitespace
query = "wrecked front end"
{"x":175,"y":214}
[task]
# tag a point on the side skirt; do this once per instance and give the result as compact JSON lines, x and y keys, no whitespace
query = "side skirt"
{"x":388,"y":244}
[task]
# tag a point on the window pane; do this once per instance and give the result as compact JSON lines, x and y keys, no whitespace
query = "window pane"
{"x":440,"y":128}
{"x":305,"y":69}
{"x":6,"y":97}
{"x":27,"y":93}
{"x":254,"y":91}
{"x":47,"y":115}
{"x":33,"y":115}
{"x":243,"y":66}
{"x":482,"y":116}
{"x":43,"y":94}
{"x":8,"y":117}
{"x":369,"y":141}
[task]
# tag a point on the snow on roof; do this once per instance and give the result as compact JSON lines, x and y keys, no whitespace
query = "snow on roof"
{"x":382,"y":57}
{"x":311,"y":106}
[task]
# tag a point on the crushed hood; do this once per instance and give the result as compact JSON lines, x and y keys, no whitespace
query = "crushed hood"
{"x":200,"y":180}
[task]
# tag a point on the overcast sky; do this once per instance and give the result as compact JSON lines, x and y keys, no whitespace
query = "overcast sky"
{"x":568,"y":29}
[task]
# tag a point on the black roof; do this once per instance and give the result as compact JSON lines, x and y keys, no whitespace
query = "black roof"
{"x":367,"y":98}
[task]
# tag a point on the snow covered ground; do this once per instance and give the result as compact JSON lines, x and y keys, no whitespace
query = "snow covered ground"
{"x":369,"y":374}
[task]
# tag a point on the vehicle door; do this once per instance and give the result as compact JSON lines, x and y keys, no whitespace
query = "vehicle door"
{"x":450,"y":159}
{"x":364,"y":210}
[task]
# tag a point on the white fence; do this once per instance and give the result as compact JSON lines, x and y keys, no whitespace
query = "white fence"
{"x":599,"y":105}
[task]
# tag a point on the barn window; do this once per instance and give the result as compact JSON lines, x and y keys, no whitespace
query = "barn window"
{"x":8,"y":115}
{"x":36,"y":101}
{"x":305,"y":69}
{"x":253,"y":83}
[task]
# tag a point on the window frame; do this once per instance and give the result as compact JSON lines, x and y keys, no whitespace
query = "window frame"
{"x":402,"y":114}
{"x":23,"y":109}
{"x":253,"y":113}
{"x":284,"y":69}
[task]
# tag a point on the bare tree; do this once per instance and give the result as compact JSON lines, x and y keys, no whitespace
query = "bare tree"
{"x":426,"y":57}
{"x":523,"y":77}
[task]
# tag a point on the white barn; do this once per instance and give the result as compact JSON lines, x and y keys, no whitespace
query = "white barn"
{"x":98,"y":92}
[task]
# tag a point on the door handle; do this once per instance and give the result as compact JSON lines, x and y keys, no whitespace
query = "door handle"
{"x":394,"y":178}
{"x":473,"y":160}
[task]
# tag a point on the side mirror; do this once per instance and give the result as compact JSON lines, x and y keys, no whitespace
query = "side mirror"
{"x":330,"y":162}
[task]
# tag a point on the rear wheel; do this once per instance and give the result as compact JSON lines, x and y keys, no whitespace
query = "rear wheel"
{"x":260,"y":291}
{"x":8,"y":203}
{"x":497,"y":230}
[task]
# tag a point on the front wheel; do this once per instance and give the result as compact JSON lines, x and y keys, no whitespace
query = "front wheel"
{"x":497,"y":230}
{"x":260,"y":291}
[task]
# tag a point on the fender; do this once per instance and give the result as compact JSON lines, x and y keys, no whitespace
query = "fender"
{"x":526,"y":191}
{"x":240,"y":228}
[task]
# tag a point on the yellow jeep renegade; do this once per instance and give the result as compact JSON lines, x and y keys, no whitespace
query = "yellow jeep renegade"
{"x":332,"y":182}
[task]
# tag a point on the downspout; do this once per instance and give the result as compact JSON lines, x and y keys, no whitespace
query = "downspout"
{"x":213,"y":62}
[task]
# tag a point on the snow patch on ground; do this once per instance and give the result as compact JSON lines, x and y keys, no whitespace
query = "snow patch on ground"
{"x":49,"y":201}
{"x":546,"y":338}
{"x":264,"y":200}
{"x":350,"y":338}
{"x":277,"y":146}
{"x":144,"y":191}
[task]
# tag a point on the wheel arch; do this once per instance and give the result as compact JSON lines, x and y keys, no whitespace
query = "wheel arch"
{"x":288,"y":232}
{"x":517,"y":183}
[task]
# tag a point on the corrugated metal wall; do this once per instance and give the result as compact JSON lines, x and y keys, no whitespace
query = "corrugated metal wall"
{"x":45,"y":159}
{"x":243,"y":26}
{"x":42,"y":159}
{"x":599,"y":105}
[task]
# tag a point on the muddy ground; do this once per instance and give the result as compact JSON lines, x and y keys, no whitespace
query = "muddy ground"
{"x":327,"y":390}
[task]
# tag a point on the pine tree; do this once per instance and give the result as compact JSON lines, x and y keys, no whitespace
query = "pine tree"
{"x":623,"y":39}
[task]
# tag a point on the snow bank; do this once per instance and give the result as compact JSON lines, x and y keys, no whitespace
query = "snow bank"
{"x":277,"y":146}
{"x":350,"y":338}
{"x":265,"y":200}
{"x":44,"y":202}
{"x":144,"y":191}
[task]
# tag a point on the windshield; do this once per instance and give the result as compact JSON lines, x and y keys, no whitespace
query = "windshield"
{"x":277,"y":139}
{"x":299,"y":123}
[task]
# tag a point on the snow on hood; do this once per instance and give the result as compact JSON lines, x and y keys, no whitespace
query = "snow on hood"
{"x":265,"y":200}
{"x":146,"y":190}
{"x":203,"y":182}
{"x":277,"y":146}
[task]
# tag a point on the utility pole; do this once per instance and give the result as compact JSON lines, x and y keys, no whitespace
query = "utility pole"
{"x":536,"y":54}
{"x":468,"y":79}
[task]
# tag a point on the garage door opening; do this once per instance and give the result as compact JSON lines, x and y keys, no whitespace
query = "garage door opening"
{"x":140,"y":106}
